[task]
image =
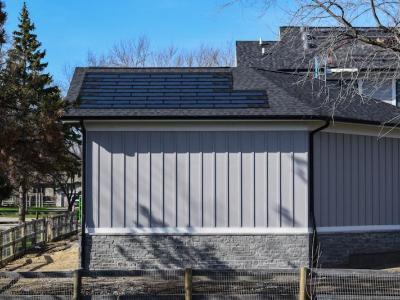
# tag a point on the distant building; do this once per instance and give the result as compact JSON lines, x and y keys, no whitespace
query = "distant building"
{"x":296,"y":52}
{"x":44,"y":195}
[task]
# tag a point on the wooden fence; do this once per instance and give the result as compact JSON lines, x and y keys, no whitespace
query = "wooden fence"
{"x":15,"y":241}
{"x":61,"y":225}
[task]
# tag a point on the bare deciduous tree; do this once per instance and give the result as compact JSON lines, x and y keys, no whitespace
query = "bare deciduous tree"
{"x":66,"y":177}
{"x":167,"y":57}
{"x":132,"y":53}
{"x":94,"y":60}
{"x":138,"y":53}
{"x":328,"y":40}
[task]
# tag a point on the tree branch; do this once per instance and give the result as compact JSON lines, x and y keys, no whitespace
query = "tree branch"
{"x":374,"y":13}
{"x":352,"y":31}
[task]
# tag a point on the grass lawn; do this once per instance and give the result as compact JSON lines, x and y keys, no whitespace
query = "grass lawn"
{"x":8,"y":211}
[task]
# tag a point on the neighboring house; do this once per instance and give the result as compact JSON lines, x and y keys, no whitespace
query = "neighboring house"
{"x":229,"y":168}
{"x":74,"y":188}
{"x":46,"y":194}
{"x":299,"y":48}
{"x":41,"y":195}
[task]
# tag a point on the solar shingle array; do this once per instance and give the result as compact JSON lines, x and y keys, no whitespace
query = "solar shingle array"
{"x":286,"y":99}
{"x":166,"y":90}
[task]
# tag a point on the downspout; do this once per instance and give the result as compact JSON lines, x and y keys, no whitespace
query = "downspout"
{"x":83,"y":196}
{"x":314,"y":246}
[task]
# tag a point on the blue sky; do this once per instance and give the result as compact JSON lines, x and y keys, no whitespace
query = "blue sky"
{"x":68,"y":29}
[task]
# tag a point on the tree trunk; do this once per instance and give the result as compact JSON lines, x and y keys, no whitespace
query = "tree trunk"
{"x":71,"y":202}
{"x":22,"y":204}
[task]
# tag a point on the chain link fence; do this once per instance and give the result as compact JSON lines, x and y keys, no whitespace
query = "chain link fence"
{"x":201,"y":284}
{"x":36,"y":285}
{"x":245,"y":284}
{"x":146,"y":284}
{"x":353,"y":284}
{"x":205,"y":284}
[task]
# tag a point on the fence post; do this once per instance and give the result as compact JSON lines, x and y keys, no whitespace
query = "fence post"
{"x":12,"y":239}
{"x":49,"y":229}
{"x":303,"y":284}
{"x":70,"y":222}
{"x":188,"y":284}
{"x":1,"y":249}
{"x":77,"y":284}
{"x":34,"y":239}
{"x":45,"y":224}
{"x":23,"y":233}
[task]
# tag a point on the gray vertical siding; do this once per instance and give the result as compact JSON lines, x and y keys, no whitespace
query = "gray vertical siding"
{"x":197,"y":179}
{"x":356,"y":180}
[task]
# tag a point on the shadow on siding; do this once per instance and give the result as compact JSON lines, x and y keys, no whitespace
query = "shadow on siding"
{"x":169,"y":251}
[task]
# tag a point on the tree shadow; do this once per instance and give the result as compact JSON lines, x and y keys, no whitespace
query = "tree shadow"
{"x":167,"y":251}
{"x":176,"y":251}
{"x":287,"y":217}
{"x":300,"y":171}
{"x":285,"y":213}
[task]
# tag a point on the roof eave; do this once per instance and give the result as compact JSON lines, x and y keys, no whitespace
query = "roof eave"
{"x":227,"y":117}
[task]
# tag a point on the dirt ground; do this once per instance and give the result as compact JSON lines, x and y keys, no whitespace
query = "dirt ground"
{"x":55,"y":256}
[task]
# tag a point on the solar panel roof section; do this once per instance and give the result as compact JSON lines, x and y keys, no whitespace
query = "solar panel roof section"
{"x":166,"y":90}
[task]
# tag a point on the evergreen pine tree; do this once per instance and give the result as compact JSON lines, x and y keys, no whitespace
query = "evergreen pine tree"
{"x":5,"y":186}
{"x":3,"y":16}
{"x":33,"y":137}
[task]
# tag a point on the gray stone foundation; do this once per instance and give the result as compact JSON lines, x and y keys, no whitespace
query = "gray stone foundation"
{"x":240,"y":251}
{"x":196,"y":251}
{"x":355,"y":250}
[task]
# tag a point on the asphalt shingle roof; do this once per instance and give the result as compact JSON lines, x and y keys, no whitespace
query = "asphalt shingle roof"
{"x":283,"y":96}
{"x":318,"y":99}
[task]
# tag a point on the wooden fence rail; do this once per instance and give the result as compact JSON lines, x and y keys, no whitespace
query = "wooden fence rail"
{"x":16,"y":240}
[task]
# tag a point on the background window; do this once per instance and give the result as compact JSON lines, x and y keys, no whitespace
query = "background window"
{"x":378,"y":90}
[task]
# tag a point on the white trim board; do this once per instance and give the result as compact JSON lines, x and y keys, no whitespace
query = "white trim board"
{"x":201,"y":125}
{"x":240,"y":125}
{"x":356,"y":229}
{"x":363,"y":129}
{"x":195,"y":231}
{"x":238,"y":230}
